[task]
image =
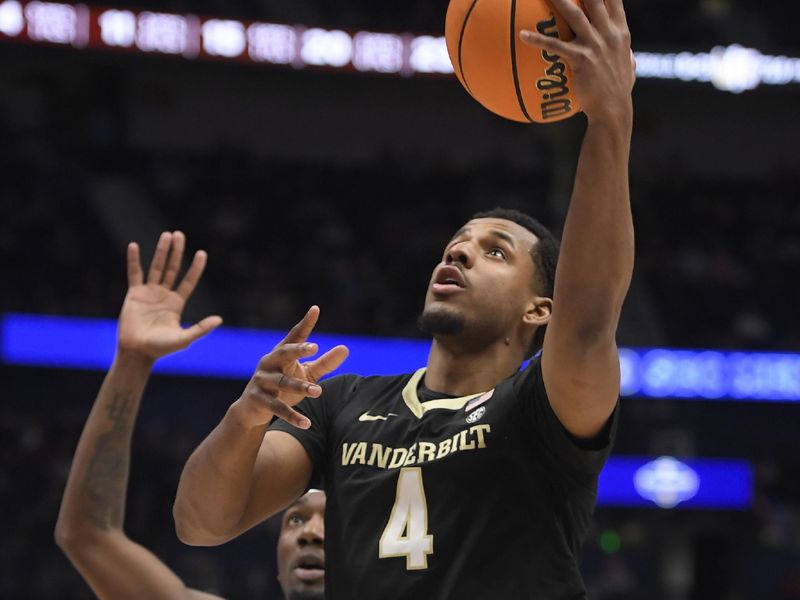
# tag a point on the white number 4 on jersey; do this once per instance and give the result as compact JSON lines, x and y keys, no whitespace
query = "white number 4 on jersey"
{"x":406,"y":533}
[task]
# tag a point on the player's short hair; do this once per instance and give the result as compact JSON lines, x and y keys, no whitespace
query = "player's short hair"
{"x":544,"y":254}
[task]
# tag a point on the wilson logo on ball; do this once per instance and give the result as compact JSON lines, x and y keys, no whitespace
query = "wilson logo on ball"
{"x":555,"y":98}
{"x":512,"y":79}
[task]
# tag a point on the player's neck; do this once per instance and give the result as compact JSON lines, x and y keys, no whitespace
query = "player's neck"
{"x":460,"y":373}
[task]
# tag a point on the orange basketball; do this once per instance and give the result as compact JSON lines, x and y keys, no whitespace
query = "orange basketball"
{"x":512,"y":79}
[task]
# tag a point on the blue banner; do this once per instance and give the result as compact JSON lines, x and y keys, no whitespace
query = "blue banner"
{"x":670,"y":483}
{"x":80,"y":343}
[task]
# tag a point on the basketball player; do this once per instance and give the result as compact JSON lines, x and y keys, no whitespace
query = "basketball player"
{"x":470,"y":478}
{"x":90,"y":523}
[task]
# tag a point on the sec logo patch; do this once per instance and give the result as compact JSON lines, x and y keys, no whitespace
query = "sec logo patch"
{"x":475,"y":415}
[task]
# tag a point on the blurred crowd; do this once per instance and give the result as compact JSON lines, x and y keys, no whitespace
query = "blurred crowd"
{"x":718,"y":258}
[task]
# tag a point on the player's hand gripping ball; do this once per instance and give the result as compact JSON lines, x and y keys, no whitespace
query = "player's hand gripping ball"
{"x":514,"y":80}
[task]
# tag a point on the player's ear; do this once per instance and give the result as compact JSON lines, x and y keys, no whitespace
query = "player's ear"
{"x":538,"y":311}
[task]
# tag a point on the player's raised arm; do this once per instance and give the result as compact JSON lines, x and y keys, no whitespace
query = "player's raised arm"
{"x":241,"y":474}
{"x":89,"y":528}
{"x":580,"y":363}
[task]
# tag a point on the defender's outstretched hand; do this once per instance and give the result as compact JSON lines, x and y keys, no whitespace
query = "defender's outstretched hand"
{"x":281,"y":380}
{"x":600,"y":56}
{"x":92,"y":515}
{"x":149,"y":323}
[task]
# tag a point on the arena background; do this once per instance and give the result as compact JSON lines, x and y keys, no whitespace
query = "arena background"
{"x":337,"y":186}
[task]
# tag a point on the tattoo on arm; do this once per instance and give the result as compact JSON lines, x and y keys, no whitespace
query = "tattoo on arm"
{"x":105,"y":482}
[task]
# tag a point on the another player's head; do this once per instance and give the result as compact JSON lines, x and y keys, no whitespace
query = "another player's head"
{"x":494,"y":283}
{"x":301,"y":548}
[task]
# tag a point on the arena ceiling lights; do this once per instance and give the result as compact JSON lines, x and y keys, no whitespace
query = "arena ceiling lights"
{"x":192,"y":37}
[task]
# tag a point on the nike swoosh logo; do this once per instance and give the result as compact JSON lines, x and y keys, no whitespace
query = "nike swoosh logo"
{"x":368,"y":417}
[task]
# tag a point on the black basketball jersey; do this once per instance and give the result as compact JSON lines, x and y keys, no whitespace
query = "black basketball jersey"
{"x":434,"y":497}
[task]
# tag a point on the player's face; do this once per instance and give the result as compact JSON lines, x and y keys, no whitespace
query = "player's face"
{"x":484,"y":281}
{"x":301,"y":548}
